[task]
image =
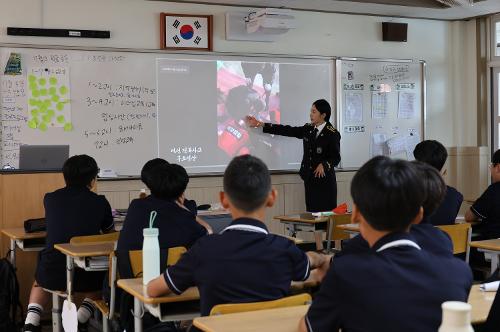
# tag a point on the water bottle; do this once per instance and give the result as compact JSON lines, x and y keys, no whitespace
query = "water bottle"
{"x":150,"y":255}
{"x":456,"y":317}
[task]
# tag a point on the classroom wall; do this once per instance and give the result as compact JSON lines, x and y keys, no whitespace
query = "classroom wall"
{"x":448,"y":47}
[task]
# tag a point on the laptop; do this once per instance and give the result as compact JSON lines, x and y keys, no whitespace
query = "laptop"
{"x":43,"y":157}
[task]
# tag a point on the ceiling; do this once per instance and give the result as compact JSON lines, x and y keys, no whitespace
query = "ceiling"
{"x":433,"y":9}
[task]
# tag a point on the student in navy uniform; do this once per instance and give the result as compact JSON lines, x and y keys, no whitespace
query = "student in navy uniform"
{"x":486,"y":209}
{"x":146,"y":179}
{"x":321,"y":143}
{"x":395,"y":286}
{"x":434,"y":153}
{"x":244,"y":263}
{"x":429,"y":237}
{"x":70,"y":211}
{"x":178,"y":226}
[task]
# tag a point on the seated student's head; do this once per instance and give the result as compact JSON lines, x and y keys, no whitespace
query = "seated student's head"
{"x":388,"y":196}
{"x":80,"y":171}
{"x":147,"y":169}
{"x":432,"y":153}
{"x":168,"y":181}
{"x":435,"y":187}
{"x":247,"y":186}
{"x":495,"y":167}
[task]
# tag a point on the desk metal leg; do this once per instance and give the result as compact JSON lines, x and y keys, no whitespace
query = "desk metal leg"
{"x":69,"y":276}
{"x":494,"y":262}
{"x":137,"y":315}
{"x":318,"y":238}
{"x":56,"y":313}
{"x":13,"y":252}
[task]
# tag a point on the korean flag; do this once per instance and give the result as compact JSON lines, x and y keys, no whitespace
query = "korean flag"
{"x":187,"y":31}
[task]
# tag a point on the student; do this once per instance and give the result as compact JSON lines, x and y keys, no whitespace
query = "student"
{"x":70,"y":211}
{"x":428,"y":237}
{"x":244,"y":263}
{"x":486,"y":209}
{"x":395,"y":286}
{"x":177,"y":224}
{"x":434,"y":154}
{"x":146,"y":179}
{"x":321,"y":142}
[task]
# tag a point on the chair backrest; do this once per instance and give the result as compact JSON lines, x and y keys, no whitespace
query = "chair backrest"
{"x":174,"y":254}
{"x":460,"y":236}
{"x":290,"y":301}
{"x":340,"y":219}
{"x":101,"y":238}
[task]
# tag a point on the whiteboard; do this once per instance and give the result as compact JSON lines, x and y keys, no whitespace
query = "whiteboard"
{"x":381,"y":106}
{"x":124,"y":108}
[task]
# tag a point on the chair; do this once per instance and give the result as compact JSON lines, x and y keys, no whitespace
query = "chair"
{"x":337,"y":233}
{"x":460,"y":235}
{"x":290,"y":301}
{"x":108,"y":309}
{"x":101,"y":238}
{"x":56,"y":295}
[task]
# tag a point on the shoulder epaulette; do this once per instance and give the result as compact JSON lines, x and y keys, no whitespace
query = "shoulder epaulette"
{"x":330,"y":128}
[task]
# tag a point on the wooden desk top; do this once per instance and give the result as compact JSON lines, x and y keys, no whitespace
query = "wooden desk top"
{"x":481,"y":304}
{"x":303,"y":218}
{"x":276,"y":320}
{"x":493,"y":244}
{"x":349,"y":227}
{"x":18,"y":233}
{"x":202,"y":213}
{"x":86,"y":250}
{"x":135,"y":288}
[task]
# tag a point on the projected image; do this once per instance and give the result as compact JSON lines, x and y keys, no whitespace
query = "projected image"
{"x":246,"y":88}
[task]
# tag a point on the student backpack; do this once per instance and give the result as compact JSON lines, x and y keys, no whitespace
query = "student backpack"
{"x":9,"y":297}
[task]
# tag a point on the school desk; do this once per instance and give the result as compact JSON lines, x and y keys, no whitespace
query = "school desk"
{"x":306,"y":222}
{"x":287,"y":319}
{"x":24,"y":241}
{"x":143,"y":302}
{"x":491,"y":247}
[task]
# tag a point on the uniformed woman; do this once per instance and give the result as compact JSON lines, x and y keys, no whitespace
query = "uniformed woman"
{"x":321,"y":154}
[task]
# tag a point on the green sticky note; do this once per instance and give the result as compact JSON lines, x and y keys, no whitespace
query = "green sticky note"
{"x":31,"y":78}
{"x":32,"y":124}
{"x":34,"y":112}
{"x":35,"y":93}
{"x":33,"y":86}
{"x":43,"y":92}
{"x":63,"y":90}
{"x":68,"y":126}
{"x":47,"y":102}
{"x":55,"y":98}
{"x":52,"y":90}
{"x":46,"y":118}
{"x":35,"y":119}
{"x":42,"y":81}
{"x":53,"y":81}
{"x":33,"y":102}
{"x":43,"y":126}
{"x":61,"y":119}
{"x":51,"y":112}
{"x":43,"y":108}
{"x":60,"y":106}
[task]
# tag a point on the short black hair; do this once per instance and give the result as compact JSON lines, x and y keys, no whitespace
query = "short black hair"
{"x":148,"y":168}
{"x":247,"y":182}
{"x":324,"y":108}
{"x":80,"y":170}
{"x":431,"y":152}
{"x":495,"y":158}
{"x":435,"y":187}
{"x":168,"y":181}
{"x":388,"y":193}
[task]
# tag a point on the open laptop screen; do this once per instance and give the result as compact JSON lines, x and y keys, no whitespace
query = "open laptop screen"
{"x":43,"y":157}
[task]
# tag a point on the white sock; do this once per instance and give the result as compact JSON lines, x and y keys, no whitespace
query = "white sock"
{"x":34,"y":313}
{"x":85,"y":311}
